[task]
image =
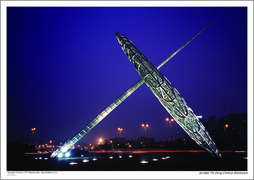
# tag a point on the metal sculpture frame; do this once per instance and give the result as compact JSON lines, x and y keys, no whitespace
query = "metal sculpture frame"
{"x":68,"y":144}
{"x":168,"y":96}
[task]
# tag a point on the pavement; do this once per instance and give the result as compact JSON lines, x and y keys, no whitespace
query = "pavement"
{"x":130,"y":161}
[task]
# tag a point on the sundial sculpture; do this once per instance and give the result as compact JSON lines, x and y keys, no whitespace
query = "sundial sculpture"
{"x":165,"y":92}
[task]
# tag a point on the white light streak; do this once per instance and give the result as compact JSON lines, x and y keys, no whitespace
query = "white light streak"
{"x":73,"y":163}
{"x":143,"y":162}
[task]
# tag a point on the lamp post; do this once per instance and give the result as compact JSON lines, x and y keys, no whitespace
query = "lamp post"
{"x":120,"y":130}
{"x":145,"y":126}
{"x":225,"y":130}
{"x":169,"y":122}
{"x":100,"y":143}
{"x":33,"y":129}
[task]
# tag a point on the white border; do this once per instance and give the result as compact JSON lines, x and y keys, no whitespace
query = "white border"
{"x":126,"y":174}
{"x":250,"y":88}
{"x":3,"y":90}
{"x":127,"y":3}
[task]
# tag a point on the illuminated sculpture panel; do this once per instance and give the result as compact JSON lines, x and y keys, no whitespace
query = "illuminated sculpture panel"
{"x":163,"y":86}
{"x":168,"y":96}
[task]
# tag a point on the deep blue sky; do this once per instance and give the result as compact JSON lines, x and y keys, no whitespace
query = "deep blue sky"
{"x":64,"y":66}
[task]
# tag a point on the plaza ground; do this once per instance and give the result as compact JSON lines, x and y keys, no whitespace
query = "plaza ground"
{"x":131,"y":161}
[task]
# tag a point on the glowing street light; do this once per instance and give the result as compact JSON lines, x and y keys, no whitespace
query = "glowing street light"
{"x":120,"y":130}
{"x":100,"y":140}
{"x":33,"y":129}
{"x":169,"y":122}
{"x":145,"y":126}
{"x":226,"y":126}
{"x":100,"y":143}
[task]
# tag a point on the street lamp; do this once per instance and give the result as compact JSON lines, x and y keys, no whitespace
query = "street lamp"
{"x":120,"y":130}
{"x":169,"y":122}
{"x":145,"y":126}
{"x":100,"y":141}
{"x":33,"y":129}
{"x":226,"y":126}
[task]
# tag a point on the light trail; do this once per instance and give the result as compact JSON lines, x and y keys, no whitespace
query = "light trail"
{"x":159,"y":151}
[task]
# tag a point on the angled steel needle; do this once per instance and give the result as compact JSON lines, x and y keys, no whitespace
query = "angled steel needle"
{"x":68,"y":144}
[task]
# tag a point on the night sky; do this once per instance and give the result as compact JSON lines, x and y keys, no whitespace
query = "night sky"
{"x":64,"y":66}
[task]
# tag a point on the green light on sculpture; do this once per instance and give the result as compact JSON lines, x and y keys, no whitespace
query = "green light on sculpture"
{"x":169,"y":96}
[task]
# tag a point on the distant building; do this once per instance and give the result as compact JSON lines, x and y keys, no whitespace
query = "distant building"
{"x":210,"y":125}
{"x":117,"y":140}
{"x":123,"y":143}
{"x":233,"y":127}
{"x":145,"y":140}
{"x":132,"y":143}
